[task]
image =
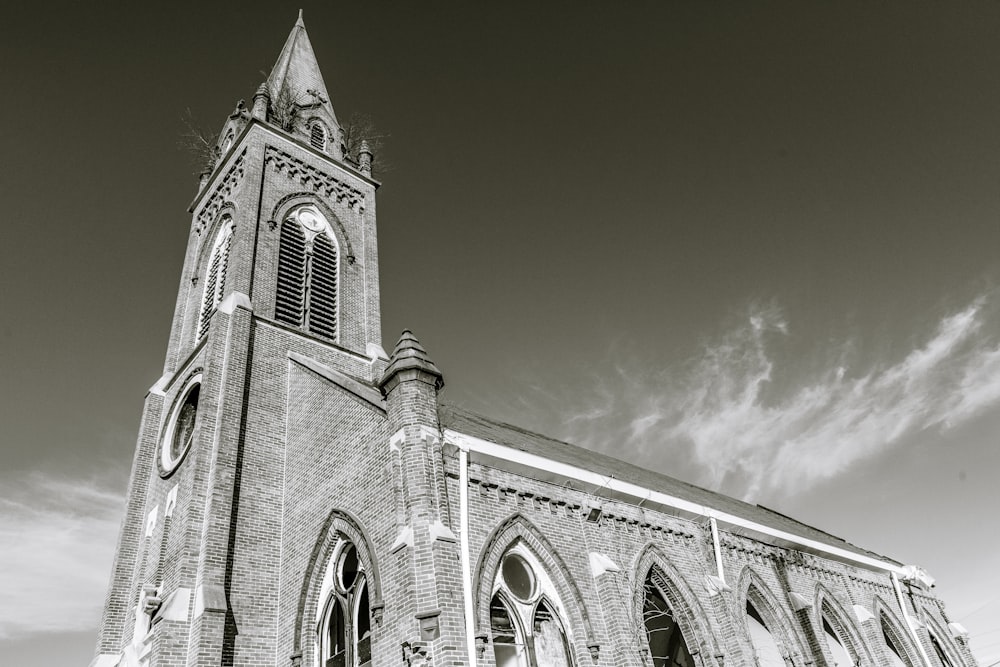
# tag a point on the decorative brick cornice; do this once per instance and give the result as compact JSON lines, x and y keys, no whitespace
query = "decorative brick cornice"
{"x":311,"y":177}
{"x":226,"y":186}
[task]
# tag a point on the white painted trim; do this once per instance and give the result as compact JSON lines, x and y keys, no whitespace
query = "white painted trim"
{"x":473,"y":444}
{"x":171,"y":502}
{"x":717,"y":547}
{"x":233,"y":301}
{"x":909,"y":622}
{"x":599,"y":564}
{"x":463,"y":529}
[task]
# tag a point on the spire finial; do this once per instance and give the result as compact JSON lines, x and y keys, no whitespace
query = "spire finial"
{"x":300,"y":23}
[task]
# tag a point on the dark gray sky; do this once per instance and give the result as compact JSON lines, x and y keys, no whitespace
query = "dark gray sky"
{"x":752,"y":245}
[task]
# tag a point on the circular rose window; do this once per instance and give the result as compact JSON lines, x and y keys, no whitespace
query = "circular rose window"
{"x":518,"y":576}
{"x":180,"y":430}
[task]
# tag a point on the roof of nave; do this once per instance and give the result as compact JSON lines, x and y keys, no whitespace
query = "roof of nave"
{"x":484,"y":428}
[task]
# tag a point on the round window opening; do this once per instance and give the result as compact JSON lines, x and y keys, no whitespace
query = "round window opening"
{"x":348,"y":568}
{"x":518,"y":577}
{"x":181,"y":430}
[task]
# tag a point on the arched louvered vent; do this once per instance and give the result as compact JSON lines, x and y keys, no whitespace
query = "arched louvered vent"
{"x":215,"y":277}
{"x":323,"y":288}
{"x":317,"y":136}
{"x":288,"y":306}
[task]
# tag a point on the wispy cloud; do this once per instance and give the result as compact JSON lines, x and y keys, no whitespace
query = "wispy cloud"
{"x":742,"y":417}
{"x":58,"y":536}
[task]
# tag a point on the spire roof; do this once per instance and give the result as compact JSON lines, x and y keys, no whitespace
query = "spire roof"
{"x":409,"y":353}
{"x":296,"y":72}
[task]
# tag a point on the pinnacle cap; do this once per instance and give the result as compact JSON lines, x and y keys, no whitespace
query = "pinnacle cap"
{"x":410,"y":354}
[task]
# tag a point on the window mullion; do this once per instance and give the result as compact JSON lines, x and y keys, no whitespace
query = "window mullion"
{"x":307,"y":283}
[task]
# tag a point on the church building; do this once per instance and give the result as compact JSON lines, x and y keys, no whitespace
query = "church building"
{"x":300,"y":498}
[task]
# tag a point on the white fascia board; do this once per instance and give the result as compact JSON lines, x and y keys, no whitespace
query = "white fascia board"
{"x":473,"y":444}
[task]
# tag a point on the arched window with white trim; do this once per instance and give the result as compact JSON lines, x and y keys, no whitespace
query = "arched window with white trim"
{"x":344,"y":630}
{"x":308,"y":265}
{"x":765,"y":647}
{"x":215,"y":275}
{"x":526,"y":615}
{"x":666,"y":642}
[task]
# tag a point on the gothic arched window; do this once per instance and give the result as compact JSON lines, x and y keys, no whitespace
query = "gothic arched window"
{"x":841,"y":657}
{"x":939,"y":650}
{"x":215,"y":275}
{"x":667,"y":646}
{"x":894,"y":654}
{"x":317,"y":136}
{"x":308,"y":262}
{"x":525,"y":616}
{"x":766,"y":648}
{"x":345,"y":624}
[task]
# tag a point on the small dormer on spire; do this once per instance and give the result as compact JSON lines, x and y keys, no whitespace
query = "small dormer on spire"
{"x":299,"y":97}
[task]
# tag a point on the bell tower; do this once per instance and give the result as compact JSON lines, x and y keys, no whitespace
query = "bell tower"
{"x":275,"y":340}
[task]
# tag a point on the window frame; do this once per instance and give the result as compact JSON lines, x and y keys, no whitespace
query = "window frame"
{"x":214,"y":276}
{"x":348,"y":601}
{"x":317,"y":299}
{"x":523,"y":611}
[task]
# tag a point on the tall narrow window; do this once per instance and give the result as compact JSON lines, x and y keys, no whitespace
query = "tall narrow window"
{"x":323,"y":288}
{"x":215,"y":275}
{"x":841,"y":658}
{"x":524,"y":618}
{"x":345,"y":628}
{"x":289,"y":302}
{"x":766,"y":648}
{"x":307,"y":273}
{"x":508,"y":639}
{"x":894,"y":654}
{"x":939,"y":650}
{"x":317,"y":136}
{"x":667,"y":646}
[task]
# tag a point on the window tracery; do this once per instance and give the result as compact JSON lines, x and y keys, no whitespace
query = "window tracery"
{"x":345,"y":622}
{"x":308,"y":263}
{"x":526,"y":615}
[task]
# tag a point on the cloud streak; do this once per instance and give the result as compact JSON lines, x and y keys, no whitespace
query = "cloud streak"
{"x":58,"y":537}
{"x":734,"y":417}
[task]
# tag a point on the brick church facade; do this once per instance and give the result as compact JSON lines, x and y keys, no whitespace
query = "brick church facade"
{"x":300,"y":498}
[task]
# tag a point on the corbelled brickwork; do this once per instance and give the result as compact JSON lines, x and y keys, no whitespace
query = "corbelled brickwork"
{"x":300,"y":498}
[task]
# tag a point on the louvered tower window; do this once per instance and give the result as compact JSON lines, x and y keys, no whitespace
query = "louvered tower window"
{"x":317,"y":136}
{"x":215,"y":275}
{"x":307,"y":273}
{"x":290,"y":301}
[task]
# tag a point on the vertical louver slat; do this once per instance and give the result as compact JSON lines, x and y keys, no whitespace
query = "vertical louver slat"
{"x":323,"y":288}
{"x":317,"y":136}
{"x":288,"y":305}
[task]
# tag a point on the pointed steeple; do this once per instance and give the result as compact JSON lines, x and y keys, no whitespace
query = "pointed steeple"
{"x":296,"y":76}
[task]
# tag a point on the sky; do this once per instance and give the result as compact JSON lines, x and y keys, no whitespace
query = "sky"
{"x":750,"y":245}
